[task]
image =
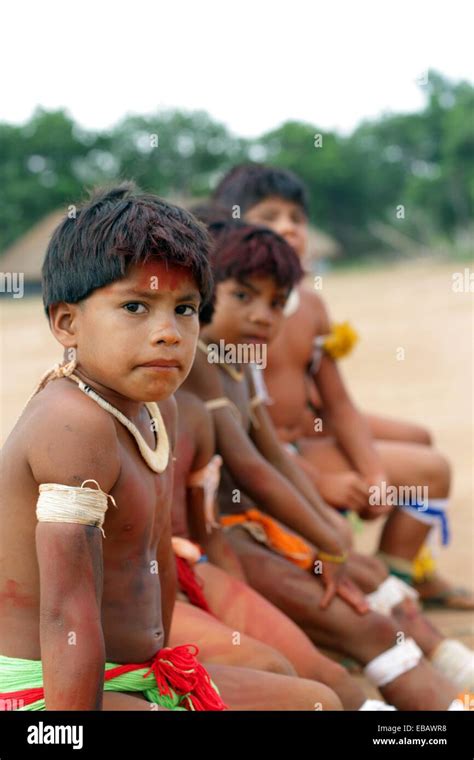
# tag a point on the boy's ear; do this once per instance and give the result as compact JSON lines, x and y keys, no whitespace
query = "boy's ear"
{"x":63,"y":323}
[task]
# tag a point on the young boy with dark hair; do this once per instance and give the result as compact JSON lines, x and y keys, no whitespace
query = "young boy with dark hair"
{"x":254,"y":274}
{"x":342,"y":460}
{"x":87,"y":577}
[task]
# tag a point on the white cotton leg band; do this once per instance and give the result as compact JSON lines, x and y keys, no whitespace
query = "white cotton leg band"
{"x":390,"y":593}
{"x":393,"y":663}
{"x":456,"y":661}
{"x":376,"y":705}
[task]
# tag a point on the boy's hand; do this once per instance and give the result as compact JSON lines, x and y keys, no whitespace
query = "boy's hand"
{"x":347,"y":490}
{"x":352,"y":595}
{"x":377,"y":485}
{"x":337,"y":583}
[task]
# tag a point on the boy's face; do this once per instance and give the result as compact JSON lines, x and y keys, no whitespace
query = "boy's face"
{"x":284,"y":217}
{"x":138,"y":335}
{"x":247,"y":311}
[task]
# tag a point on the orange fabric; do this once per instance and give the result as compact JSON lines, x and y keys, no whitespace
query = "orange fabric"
{"x":283,"y":542}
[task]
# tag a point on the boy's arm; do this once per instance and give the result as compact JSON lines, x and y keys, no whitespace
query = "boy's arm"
{"x":165,"y":555}
{"x":352,"y":432}
{"x":70,"y":559}
{"x":349,"y":425}
{"x":267,"y":442}
{"x":214,"y":542}
{"x":167,"y":574}
{"x":253,"y":474}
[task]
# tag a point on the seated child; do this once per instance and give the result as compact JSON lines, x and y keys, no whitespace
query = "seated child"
{"x":254,"y":271}
{"x":331,"y":440}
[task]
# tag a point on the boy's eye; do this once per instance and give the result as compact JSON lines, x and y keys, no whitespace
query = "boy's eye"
{"x":241,"y":295}
{"x":279,"y":303}
{"x":186,"y":307}
{"x":298,"y":218}
{"x":135,"y":308}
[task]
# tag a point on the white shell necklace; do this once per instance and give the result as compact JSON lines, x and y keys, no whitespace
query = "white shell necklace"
{"x":157,"y":459}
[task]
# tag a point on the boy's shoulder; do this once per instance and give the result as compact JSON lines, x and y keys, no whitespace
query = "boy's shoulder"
{"x":204,"y":378}
{"x":309,"y":297}
{"x":61,"y":403}
{"x":312,"y":307}
{"x":190,"y":403}
{"x":192,"y":412}
{"x":65,"y":434}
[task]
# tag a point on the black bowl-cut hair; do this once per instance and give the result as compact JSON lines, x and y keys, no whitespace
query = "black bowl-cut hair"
{"x":245,"y":185}
{"x":114,"y":229}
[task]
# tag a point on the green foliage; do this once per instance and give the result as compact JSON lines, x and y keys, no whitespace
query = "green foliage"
{"x":423,"y":161}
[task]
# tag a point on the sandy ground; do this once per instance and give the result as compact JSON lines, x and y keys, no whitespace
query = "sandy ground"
{"x":410,"y":306}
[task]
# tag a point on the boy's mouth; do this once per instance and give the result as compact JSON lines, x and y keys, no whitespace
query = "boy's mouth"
{"x":255,"y":338}
{"x":162,"y":364}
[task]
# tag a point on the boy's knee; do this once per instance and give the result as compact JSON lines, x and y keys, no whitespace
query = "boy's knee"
{"x":317,"y":696}
{"x":422,"y":435}
{"x":440,"y":472}
{"x":378,"y":629}
{"x":426,"y":437}
{"x":269,"y":659}
{"x":334,"y":675}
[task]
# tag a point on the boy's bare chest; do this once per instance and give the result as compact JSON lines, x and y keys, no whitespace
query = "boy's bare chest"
{"x":142,"y":497}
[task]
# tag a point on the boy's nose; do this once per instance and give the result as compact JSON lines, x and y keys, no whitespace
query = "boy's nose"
{"x":289,"y":231}
{"x":166,"y":332}
{"x":285,"y":226}
{"x":262,"y":314}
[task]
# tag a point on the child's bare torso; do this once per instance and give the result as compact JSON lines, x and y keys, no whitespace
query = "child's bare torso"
{"x":131,"y":600}
{"x":286,"y":374}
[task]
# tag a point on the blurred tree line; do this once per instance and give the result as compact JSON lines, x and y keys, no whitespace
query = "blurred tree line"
{"x":402,"y":177}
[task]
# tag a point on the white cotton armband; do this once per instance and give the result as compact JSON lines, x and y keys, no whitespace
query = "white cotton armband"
{"x":391,"y":592}
{"x":393,"y":663}
{"x":71,"y":504}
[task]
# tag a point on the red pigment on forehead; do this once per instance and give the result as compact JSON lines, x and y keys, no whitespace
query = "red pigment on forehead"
{"x":166,"y":277}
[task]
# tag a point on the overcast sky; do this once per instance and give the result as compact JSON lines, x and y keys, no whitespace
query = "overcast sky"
{"x":251,"y":64}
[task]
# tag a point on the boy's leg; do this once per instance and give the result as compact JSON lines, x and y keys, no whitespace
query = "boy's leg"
{"x":388,"y":429}
{"x":220,"y":644}
{"x":366,"y":571}
{"x":364,"y":638}
{"x":411,"y":465}
{"x":385,"y":429}
{"x":406,"y":465}
{"x":245,"y":689}
{"x":245,"y":610}
{"x":402,"y":535}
